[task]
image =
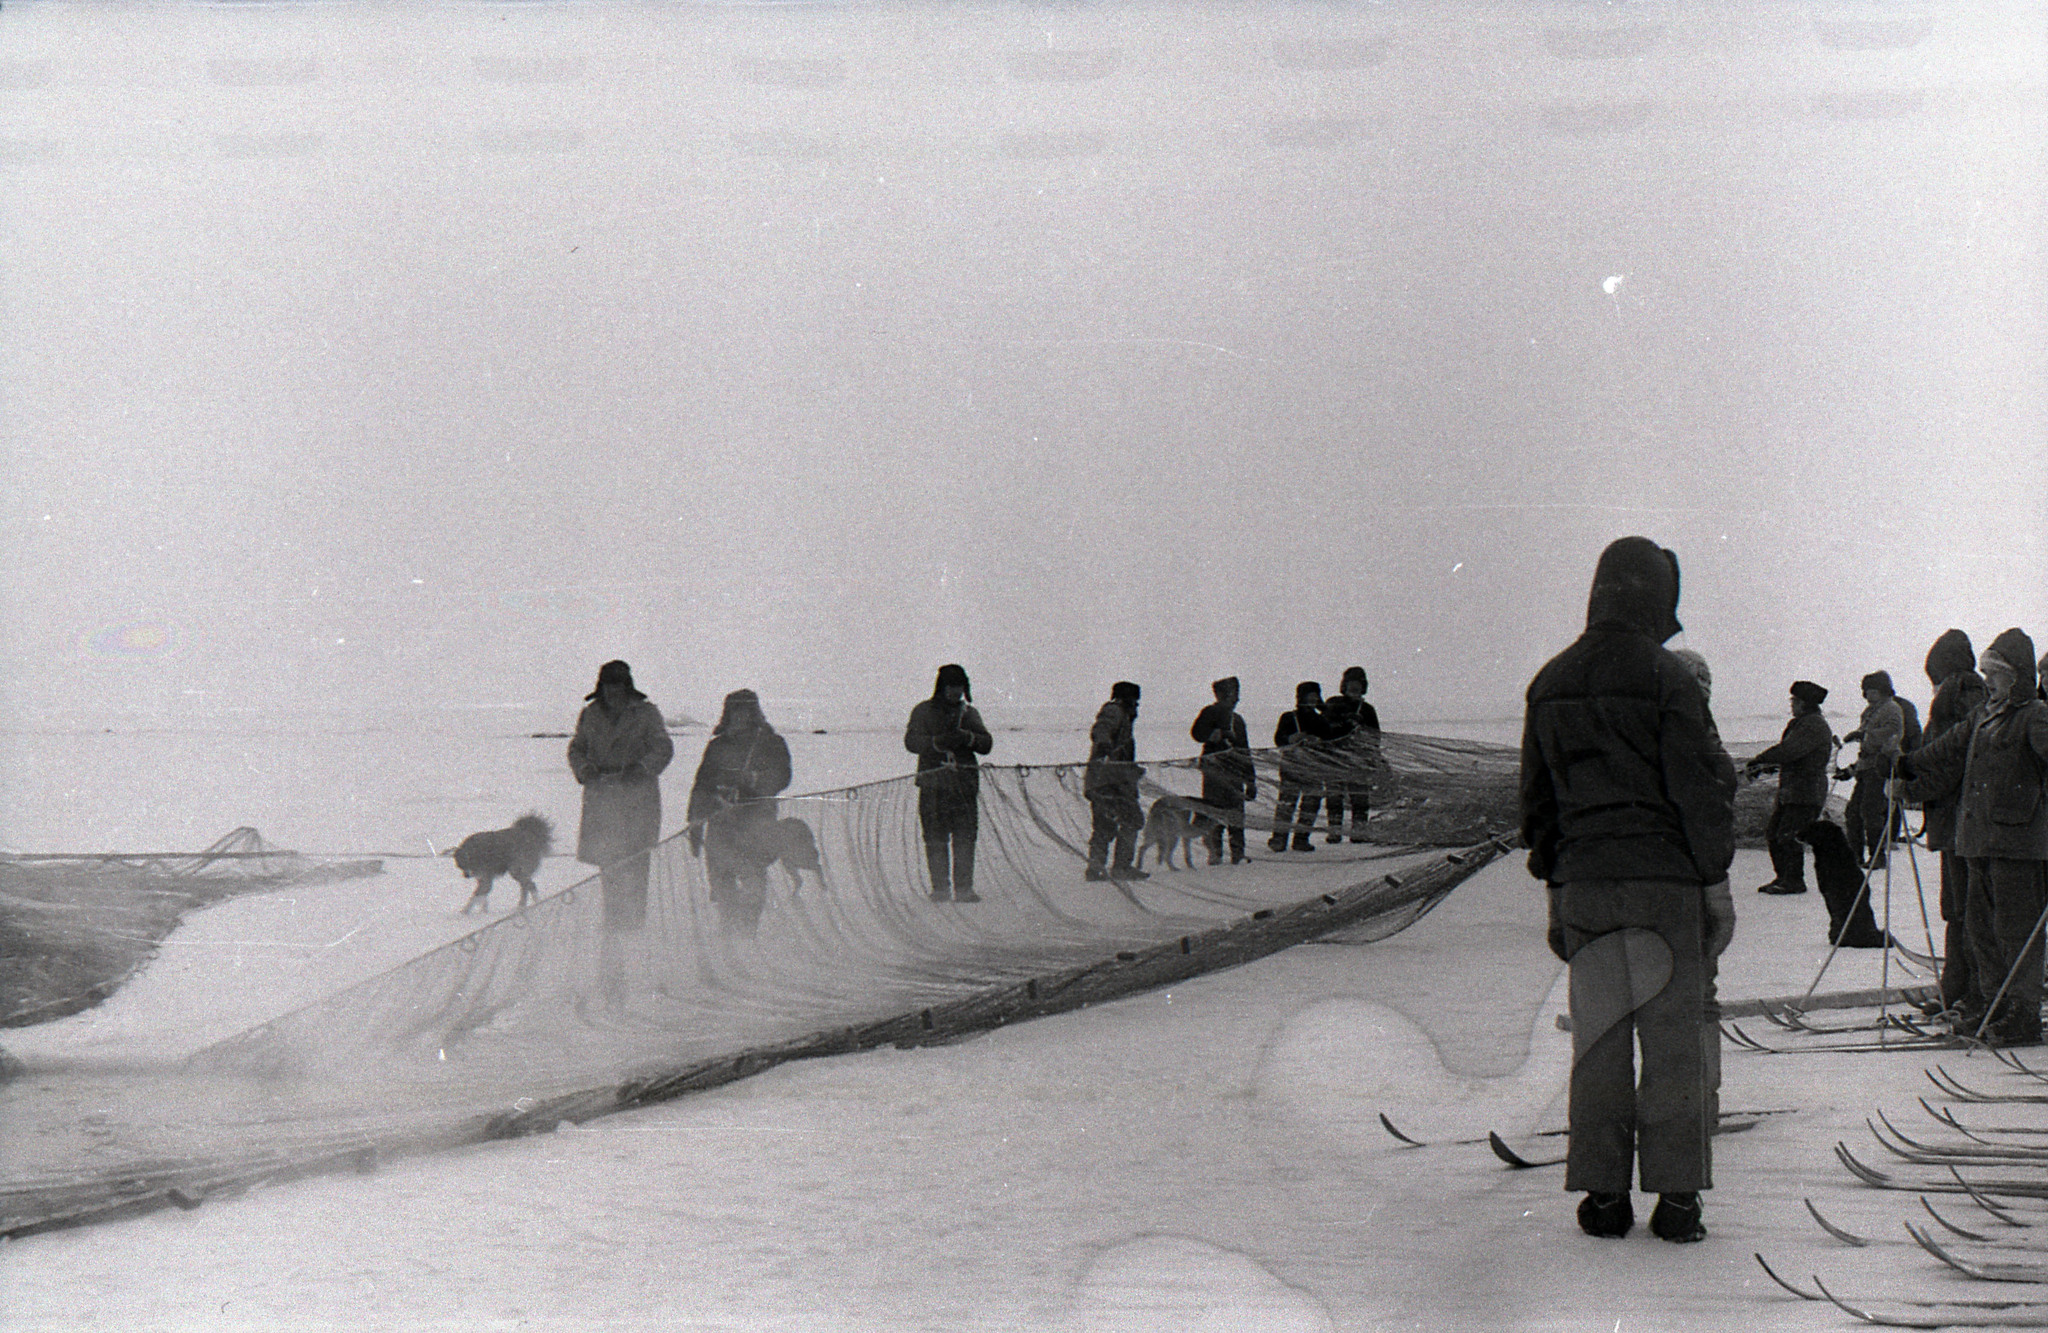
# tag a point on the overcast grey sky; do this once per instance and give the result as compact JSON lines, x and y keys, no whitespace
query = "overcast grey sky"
{"x":433,"y":355}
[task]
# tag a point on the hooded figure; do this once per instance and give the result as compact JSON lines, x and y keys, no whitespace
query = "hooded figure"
{"x":1628,"y":814}
{"x":946,"y":734}
{"x":1305,"y":766}
{"x":1355,"y":727}
{"x":1958,"y":692}
{"x":1801,"y":758}
{"x":1111,"y":786}
{"x":618,"y":752}
{"x":1228,"y":776}
{"x":732,"y":809}
{"x":1995,"y":762}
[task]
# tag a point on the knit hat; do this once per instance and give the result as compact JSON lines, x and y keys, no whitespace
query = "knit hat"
{"x":614,"y":672}
{"x":1809,"y":693}
{"x":1881,"y":680}
{"x":1351,"y":673}
{"x":2016,"y":650}
{"x":953,"y":674}
{"x":1124,"y":689}
{"x":1217,"y":687}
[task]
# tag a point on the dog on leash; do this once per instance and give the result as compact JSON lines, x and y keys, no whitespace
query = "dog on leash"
{"x":514,"y":851}
{"x":1170,"y":823}
{"x":1850,"y":923}
{"x":797,"y":848}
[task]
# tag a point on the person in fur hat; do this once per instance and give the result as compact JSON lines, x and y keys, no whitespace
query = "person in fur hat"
{"x":1998,"y":762}
{"x":1304,"y":769}
{"x":1879,"y":736}
{"x":1958,"y":691}
{"x":1355,"y":729}
{"x":1228,"y":777}
{"x":1111,"y":786}
{"x":1801,"y":759}
{"x":946,"y":734}
{"x":732,"y":809}
{"x":1628,"y":812}
{"x":617,"y":755}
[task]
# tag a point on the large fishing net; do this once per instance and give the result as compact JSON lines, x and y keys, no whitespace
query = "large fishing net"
{"x":546,"y":1014}
{"x":74,"y":928}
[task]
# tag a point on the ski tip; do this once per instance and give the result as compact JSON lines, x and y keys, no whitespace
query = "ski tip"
{"x":1772,"y":1273}
{"x":1413,"y":1143}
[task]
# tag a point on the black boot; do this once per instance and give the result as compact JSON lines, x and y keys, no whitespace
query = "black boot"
{"x":1677,"y":1217}
{"x":1606,"y":1215}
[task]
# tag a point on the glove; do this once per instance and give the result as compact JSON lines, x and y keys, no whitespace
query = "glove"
{"x":1720,"y":908}
{"x":1555,"y":934}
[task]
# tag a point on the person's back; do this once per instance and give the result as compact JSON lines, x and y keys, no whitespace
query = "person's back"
{"x":1628,"y":814}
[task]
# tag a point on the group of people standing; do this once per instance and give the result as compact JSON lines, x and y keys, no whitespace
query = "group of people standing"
{"x":1627,"y":799}
{"x":619,"y":750}
{"x":1328,"y":755}
{"x":621,"y":746}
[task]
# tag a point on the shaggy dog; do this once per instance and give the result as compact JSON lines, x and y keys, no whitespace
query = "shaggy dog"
{"x":1170,"y":823}
{"x":1850,"y":923}
{"x":794,"y":845}
{"x":514,"y":851}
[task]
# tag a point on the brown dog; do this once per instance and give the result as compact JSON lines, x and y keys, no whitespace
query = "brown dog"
{"x":515,"y":851}
{"x":1170,"y":823}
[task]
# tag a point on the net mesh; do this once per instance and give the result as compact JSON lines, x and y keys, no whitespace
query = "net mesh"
{"x":548,"y":1014}
{"x":73,"y":929}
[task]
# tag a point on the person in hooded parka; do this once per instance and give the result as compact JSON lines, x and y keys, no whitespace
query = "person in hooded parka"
{"x":1958,"y":690}
{"x":947,"y":734}
{"x":1628,"y":811}
{"x":1110,"y":782}
{"x":619,"y":750}
{"x":1998,"y":762}
{"x":732,"y":812}
{"x":1229,"y":777}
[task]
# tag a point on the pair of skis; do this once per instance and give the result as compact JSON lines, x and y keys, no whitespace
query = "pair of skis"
{"x":1732,"y":1122}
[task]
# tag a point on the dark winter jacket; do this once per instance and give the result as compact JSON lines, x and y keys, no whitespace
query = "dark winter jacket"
{"x":1801,"y":758}
{"x":1298,"y":733}
{"x":1997,"y":763}
{"x":1227,"y":772}
{"x":745,"y":765}
{"x":1621,"y":776}
{"x":617,"y":757}
{"x":946,"y":737}
{"x":1112,"y":754}
{"x":1878,"y":735}
{"x":1958,"y":692}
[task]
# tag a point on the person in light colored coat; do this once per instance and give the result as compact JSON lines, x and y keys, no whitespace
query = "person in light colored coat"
{"x":619,"y":750}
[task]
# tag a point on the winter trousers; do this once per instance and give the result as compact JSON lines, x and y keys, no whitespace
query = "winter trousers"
{"x":2006,"y":897}
{"x":1360,"y":800}
{"x":624,"y":886}
{"x":1295,"y":797}
{"x":1958,"y":965}
{"x":1658,"y":1126}
{"x":951,"y":823}
{"x":1781,"y":835}
{"x":1116,"y":820}
{"x":1869,"y":819}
